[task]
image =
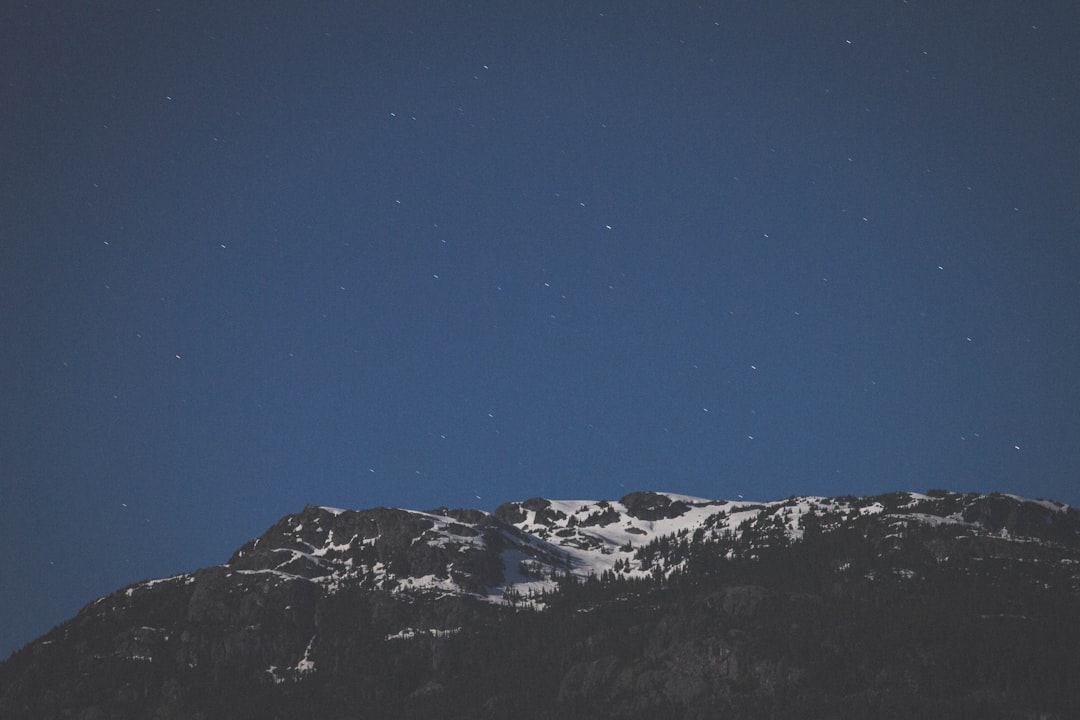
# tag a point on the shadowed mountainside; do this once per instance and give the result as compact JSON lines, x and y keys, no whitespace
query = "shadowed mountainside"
{"x":940,"y":605}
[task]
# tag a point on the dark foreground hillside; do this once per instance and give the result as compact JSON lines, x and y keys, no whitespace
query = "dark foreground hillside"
{"x":861,"y":617}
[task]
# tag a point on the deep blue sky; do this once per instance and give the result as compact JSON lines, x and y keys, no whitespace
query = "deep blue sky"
{"x":268,"y":254}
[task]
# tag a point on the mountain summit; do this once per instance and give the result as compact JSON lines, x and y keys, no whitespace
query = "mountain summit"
{"x":658,"y":603}
{"x":524,"y":548}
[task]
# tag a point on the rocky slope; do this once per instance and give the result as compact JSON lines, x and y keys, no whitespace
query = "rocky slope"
{"x":941,"y":603}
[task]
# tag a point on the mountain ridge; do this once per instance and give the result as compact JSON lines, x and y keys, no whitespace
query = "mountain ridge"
{"x":367,"y":605}
{"x":540,"y":538}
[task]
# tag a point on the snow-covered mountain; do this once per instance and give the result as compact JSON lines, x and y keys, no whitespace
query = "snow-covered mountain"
{"x":655,"y":603}
{"x":523,"y":549}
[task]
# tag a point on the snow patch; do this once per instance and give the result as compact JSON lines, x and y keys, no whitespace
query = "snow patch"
{"x":410,"y":633}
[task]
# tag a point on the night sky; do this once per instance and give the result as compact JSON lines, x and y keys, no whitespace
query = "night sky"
{"x":260,"y":255}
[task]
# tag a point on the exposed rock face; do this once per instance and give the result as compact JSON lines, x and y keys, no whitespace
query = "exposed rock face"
{"x":653,"y":506}
{"x":898,"y":605}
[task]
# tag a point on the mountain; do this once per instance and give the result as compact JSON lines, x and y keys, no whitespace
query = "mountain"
{"x":657,"y":605}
